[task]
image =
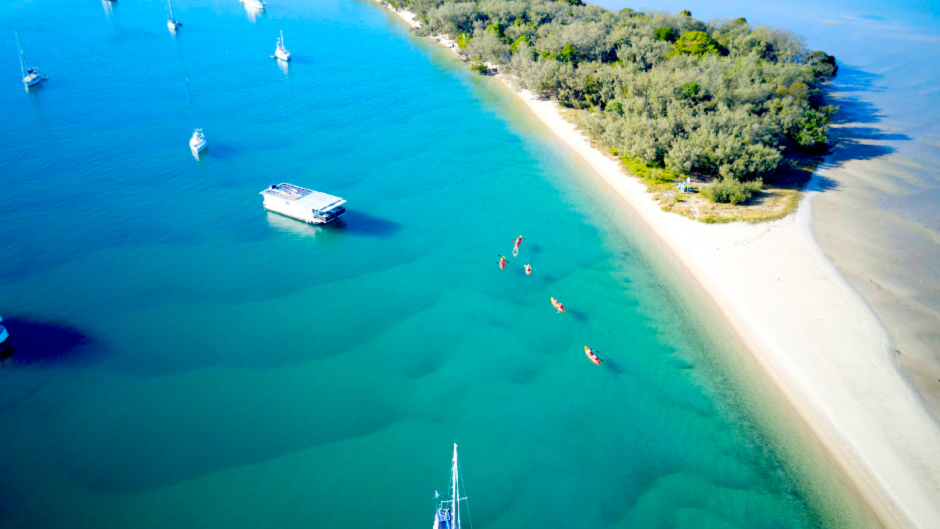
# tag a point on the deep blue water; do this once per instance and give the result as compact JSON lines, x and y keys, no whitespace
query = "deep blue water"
{"x":185,"y":359}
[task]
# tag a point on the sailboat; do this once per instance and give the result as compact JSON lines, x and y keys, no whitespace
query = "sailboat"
{"x":31,"y":75}
{"x":198,"y":142}
{"x":448,"y":511}
{"x":281,"y":52}
{"x":171,"y":22}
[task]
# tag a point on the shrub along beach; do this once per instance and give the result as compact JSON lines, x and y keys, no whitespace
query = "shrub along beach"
{"x":738,"y":111}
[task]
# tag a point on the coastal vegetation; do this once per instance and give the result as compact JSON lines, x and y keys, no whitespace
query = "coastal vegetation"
{"x":726,"y":103}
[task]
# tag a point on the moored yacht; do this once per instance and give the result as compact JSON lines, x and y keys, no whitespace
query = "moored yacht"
{"x":198,"y":142}
{"x":448,"y":511}
{"x":31,"y":75}
{"x":171,"y":21}
{"x":303,"y":204}
{"x":254,"y":4}
{"x":281,"y":52}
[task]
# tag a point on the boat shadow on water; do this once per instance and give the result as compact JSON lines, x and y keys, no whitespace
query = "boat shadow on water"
{"x":355,"y":223}
{"x":37,"y":342}
{"x":363,"y":224}
{"x":219,"y":151}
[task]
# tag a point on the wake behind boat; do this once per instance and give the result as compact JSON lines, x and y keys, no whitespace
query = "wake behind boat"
{"x":448,"y":511}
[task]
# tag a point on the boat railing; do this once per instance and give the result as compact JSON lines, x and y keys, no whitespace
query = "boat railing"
{"x":331,"y":214}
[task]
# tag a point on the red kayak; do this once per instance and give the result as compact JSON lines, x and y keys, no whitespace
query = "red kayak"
{"x":557,"y":304}
{"x":592,"y":356}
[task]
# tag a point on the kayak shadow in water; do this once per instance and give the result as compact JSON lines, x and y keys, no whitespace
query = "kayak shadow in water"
{"x":579,"y":315}
{"x":548,"y":279}
{"x":35,"y":342}
{"x":612,"y":366}
{"x":534,"y":248}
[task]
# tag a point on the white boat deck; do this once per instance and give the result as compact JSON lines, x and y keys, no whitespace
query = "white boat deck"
{"x":302,"y":203}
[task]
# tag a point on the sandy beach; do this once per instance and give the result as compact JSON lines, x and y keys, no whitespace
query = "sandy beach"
{"x":815,"y":336}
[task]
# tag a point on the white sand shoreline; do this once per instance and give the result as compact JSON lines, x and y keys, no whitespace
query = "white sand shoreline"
{"x":816,"y":337}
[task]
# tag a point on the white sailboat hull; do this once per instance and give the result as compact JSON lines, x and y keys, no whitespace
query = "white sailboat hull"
{"x":282,"y":55}
{"x":33,"y":79}
{"x":198,"y":142}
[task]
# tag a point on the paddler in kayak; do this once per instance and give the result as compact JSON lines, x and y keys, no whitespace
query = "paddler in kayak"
{"x":558,"y":306}
{"x":515,"y":247}
{"x":502,"y":262}
{"x":592,"y":356}
{"x":528,"y":269}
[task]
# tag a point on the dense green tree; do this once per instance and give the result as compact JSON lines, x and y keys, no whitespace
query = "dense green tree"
{"x":695,"y":43}
{"x":667,"y":34}
{"x":821,"y":62}
{"x":514,"y":47}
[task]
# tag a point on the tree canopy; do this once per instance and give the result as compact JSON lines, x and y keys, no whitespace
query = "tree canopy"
{"x":720,"y":98}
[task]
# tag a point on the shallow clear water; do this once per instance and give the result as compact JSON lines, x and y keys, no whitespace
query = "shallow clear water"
{"x":185,"y":359}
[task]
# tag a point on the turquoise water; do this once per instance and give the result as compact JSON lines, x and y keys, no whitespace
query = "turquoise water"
{"x":185,"y":359}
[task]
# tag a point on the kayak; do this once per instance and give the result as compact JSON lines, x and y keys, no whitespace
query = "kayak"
{"x":592,"y":356}
{"x":502,"y":263}
{"x":528,"y":269}
{"x":557,"y":304}
{"x":515,"y":251}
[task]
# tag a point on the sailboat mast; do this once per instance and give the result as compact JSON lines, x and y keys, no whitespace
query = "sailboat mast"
{"x":170,"y":6}
{"x":20,"y":48}
{"x":456,"y":490}
{"x":192,"y":109}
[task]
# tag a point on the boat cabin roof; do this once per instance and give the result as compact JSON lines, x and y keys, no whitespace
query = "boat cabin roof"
{"x":307,"y":197}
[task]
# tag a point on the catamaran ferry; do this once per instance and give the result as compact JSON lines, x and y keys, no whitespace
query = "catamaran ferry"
{"x":303,"y":204}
